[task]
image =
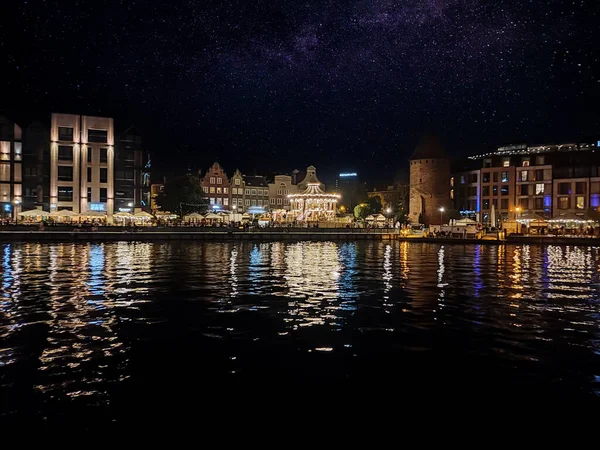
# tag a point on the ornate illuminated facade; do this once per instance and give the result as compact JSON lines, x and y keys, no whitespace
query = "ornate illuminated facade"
{"x":313,"y":204}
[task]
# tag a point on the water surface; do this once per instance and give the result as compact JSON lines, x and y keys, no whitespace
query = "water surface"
{"x":105,"y":330}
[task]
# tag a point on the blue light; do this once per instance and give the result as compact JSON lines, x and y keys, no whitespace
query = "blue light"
{"x":7,"y":207}
{"x":348,"y":175}
{"x":547,"y":201}
{"x":97,"y":207}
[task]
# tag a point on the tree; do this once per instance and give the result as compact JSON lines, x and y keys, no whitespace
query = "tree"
{"x":374,"y":205}
{"x":183,"y":195}
{"x":361,"y":211}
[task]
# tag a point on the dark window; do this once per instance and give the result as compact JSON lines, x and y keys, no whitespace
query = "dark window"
{"x":504,"y":190}
{"x":580,"y":188}
{"x":128,"y":175}
{"x":486,"y":204}
{"x":504,"y":203}
{"x":65,"y":153}
{"x":524,"y":189}
{"x":495,"y":190}
{"x":495,"y":177}
{"x":89,"y":195}
{"x":539,"y":175}
{"x":103,"y":175}
{"x":473,"y":178}
{"x":539,"y":203}
{"x":485,"y":191}
{"x":524,"y":202}
{"x":65,"y":193}
{"x":103,"y":195}
{"x":89,"y":174}
{"x":103,"y":155}
{"x":128,"y":155}
{"x":100,"y":136}
{"x":564,"y":188}
{"x":89,"y":155}
{"x":65,"y":134}
{"x":486,"y":177}
{"x":472,"y":191}
{"x":65,"y":173}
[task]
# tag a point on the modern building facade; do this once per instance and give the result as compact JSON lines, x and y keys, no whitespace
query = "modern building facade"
{"x":132,"y":177}
{"x":347,"y":184}
{"x":36,"y":167}
{"x":429,"y":182}
{"x":82,"y":164}
{"x":545,"y":180}
{"x":11,"y":168}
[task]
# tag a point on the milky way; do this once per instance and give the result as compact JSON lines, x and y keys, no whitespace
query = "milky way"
{"x":271,"y":84}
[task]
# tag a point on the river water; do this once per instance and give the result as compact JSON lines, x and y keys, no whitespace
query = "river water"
{"x":106,"y":330}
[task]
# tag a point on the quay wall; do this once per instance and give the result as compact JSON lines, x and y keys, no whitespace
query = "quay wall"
{"x":295,"y":235}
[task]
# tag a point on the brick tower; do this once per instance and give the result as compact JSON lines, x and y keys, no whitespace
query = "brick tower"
{"x":429,"y":183}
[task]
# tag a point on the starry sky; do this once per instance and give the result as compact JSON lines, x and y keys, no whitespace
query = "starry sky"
{"x":268,"y":86}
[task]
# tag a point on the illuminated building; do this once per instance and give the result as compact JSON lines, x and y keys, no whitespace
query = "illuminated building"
{"x":156,"y":189}
{"x":215,"y":185}
{"x":11,"y":168}
{"x":279,"y":189}
{"x":429,"y":182}
{"x":256,"y":192}
{"x":82,"y":163}
{"x":546,"y":180}
{"x":313,"y":204}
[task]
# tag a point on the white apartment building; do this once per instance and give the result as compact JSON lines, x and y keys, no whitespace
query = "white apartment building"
{"x":82,"y":164}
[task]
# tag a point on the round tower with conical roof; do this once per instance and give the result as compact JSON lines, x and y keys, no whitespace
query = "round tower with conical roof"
{"x":429,"y":183}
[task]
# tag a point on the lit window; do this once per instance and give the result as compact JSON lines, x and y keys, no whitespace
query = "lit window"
{"x":212,"y":190}
{"x":219,"y":190}
{"x":505,"y":162}
{"x":539,"y":188}
{"x":237,"y":181}
{"x":580,"y":202}
{"x":18,"y":151}
{"x":219,"y":200}
{"x":212,"y":201}
{"x":505,"y":177}
{"x":219,"y":180}
{"x":225,"y":201}
{"x":526,"y":162}
{"x":524,"y":175}
{"x":225,"y":190}
{"x":205,"y":189}
{"x":212,"y":180}
{"x":563,"y":202}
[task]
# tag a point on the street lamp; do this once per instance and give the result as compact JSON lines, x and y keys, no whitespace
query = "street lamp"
{"x":517,"y":209}
{"x":441,"y":214}
{"x":389,"y":210}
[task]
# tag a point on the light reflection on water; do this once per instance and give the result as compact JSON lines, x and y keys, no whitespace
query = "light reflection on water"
{"x":71,"y":315}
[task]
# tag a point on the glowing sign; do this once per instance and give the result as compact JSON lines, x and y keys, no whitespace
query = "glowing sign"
{"x":97,"y":206}
{"x":7,"y":207}
{"x":348,"y":175}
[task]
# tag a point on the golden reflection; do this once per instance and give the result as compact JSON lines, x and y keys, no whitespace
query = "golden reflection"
{"x":312,"y":278}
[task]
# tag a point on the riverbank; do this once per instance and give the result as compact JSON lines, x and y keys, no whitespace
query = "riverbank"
{"x":217,"y":234}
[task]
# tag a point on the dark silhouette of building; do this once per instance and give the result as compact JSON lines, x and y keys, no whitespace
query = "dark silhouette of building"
{"x":132,"y":177}
{"x":36,"y":167}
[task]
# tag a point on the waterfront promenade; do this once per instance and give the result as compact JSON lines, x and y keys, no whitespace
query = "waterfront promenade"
{"x":111,"y":234}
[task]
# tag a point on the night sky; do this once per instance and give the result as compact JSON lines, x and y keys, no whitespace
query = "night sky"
{"x":341,"y":84}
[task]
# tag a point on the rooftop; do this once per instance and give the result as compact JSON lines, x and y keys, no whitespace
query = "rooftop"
{"x":429,"y":148}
